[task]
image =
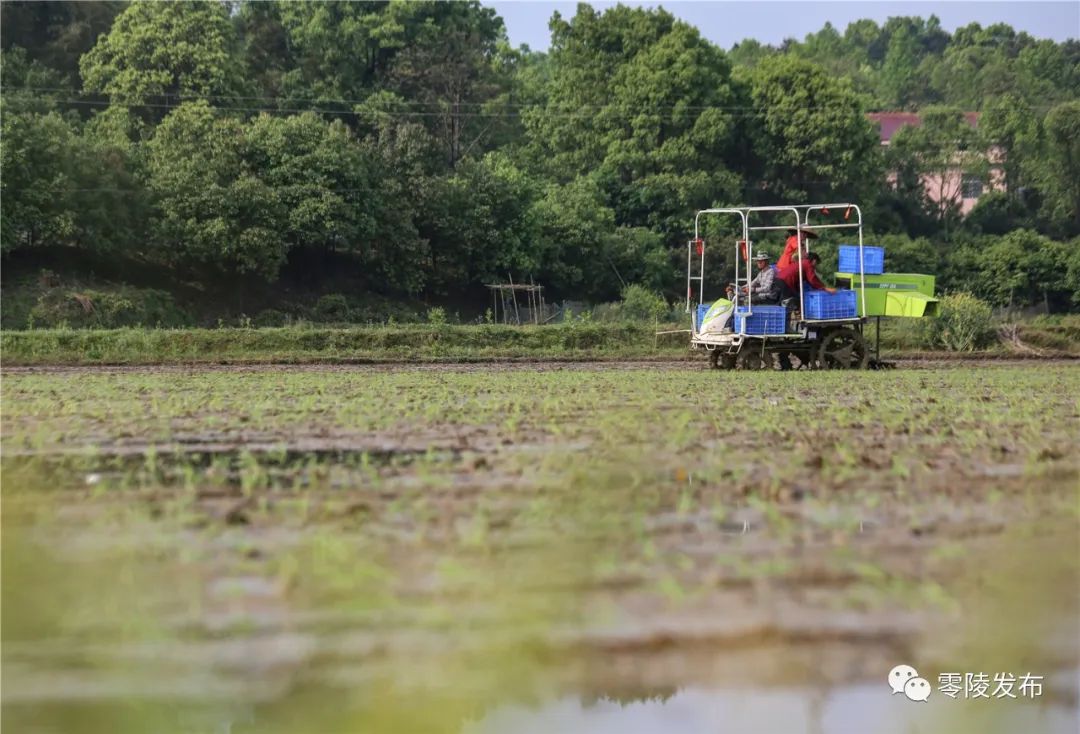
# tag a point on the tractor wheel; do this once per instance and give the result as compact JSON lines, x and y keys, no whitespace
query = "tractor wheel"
{"x":841,"y":349}
{"x":795,"y":359}
{"x":751,"y":360}
{"x":721,"y":360}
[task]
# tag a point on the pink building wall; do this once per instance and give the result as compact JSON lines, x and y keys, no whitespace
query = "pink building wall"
{"x":951,"y":186}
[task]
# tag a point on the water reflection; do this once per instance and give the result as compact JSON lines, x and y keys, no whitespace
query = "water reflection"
{"x":854,"y":709}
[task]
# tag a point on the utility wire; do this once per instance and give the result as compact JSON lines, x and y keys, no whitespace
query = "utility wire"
{"x":437,"y":103}
{"x":440,"y":107}
{"x":534,"y":112}
{"x":413,"y":103}
{"x":751,"y":186}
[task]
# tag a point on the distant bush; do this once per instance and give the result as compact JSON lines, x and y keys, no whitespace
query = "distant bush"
{"x":964,"y":324}
{"x":436,"y":316}
{"x":105,"y":309}
{"x":998,"y":213}
{"x":641,"y":304}
{"x":270,"y":317}
{"x":333,"y":307}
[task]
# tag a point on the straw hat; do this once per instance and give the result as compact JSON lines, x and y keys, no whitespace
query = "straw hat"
{"x":806,"y":233}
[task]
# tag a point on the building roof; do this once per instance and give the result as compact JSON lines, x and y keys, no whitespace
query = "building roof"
{"x":890,"y":122}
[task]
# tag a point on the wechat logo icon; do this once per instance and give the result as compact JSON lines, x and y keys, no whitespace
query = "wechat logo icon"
{"x":905,"y":679}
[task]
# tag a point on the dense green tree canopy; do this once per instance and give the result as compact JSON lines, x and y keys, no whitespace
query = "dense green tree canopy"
{"x":811,"y":133}
{"x":1063,"y":180}
{"x":407,"y":147}
{"x":160,"y":53}
{"x":212,"y":208}
{"x":56,"y":33}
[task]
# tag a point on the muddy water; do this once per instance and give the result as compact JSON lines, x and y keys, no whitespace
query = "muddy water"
{"x":851,"y":709}
{"x":196,"y":622}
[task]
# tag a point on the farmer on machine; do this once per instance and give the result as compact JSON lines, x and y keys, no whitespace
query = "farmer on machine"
{"x":791,"y":246}
{"x":807,"y":267}
{"x":764,"y":288}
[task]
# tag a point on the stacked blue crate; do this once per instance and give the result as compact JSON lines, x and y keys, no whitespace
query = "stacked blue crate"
{"x":873,"y":259}
{"x":825,"y":305}
{"x":761,"y":319}
{"x":702,"y":309}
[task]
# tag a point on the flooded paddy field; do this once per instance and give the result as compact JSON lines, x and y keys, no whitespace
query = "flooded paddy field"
{"x":527,"y":548}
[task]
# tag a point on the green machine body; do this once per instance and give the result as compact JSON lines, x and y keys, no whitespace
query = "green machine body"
{"x":909,"y":295}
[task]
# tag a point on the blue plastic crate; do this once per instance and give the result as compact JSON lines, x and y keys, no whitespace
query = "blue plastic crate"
{"x":761,"y":319}
{"x":825,"y":305}
{"x":702,"y":309}
{"x":873,"y":259}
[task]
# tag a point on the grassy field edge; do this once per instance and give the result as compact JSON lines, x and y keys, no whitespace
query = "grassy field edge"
{"x":403,"y":343}
{"x":383,"y":344}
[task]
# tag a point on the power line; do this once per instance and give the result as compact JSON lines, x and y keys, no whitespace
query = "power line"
{"x":756,"y":109}
{"x":752,"y":185}
{"x":499,"y":109}
{"x":413,"y":103}
{"x":532,"y":112}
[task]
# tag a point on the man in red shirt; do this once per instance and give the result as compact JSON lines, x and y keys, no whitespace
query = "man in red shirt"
{"x":789,"y":274}
{"x":791,"y":246}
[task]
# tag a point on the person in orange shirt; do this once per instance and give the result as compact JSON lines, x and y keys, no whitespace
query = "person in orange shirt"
{"x":805,"y":267}
{"x":791,"y":246}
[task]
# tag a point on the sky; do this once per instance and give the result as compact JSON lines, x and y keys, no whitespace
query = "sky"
{"x":727,"y":23}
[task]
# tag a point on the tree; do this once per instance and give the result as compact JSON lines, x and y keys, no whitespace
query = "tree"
{"x":998,"y":213}
{"x":1009,"y":128}
{"x":642,"y":104}
{"x":1022,"y":268}
{"x":265,"y":48}
{"x":1063,"y":156}
{"x":56,"y":34}
{"x":338,"y":50}
{"x":867,"y":35}
{"x":28,"y":85}
{"x":811,"y":134}
{"x":319,"y":174}
{"x":62,"y":182}
{"x":160,"y":53}
{"x":910,"y":255}
{"x":478,"y":223}
{"x":39,"y":170}
{"x":902,"y":84}
{"x":211,"y":208}
{"x":1045,"y":74}
{"x":749,"y":53}
{"x":571,"y":223}
{"x":449,"y":70}
{"x":568,"y":136}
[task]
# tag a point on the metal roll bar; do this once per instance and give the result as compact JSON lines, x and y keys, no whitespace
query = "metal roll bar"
{"x":697,"y":238}
{"x":802,"y":222}
{"x":857,"y":224}
{"x":798,"y":233}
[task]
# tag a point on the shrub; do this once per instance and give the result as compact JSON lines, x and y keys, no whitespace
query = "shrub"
{"x":639,"y":303}
{"x":332,"y":307}
{"x":106,"y":309}
{"x":436,"y":316}
{"x":270,"y":317}
{"x":964,"y":324}
{"x":998,"y":213}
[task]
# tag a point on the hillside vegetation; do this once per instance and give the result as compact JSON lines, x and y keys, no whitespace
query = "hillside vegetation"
{"x":401,"y":155}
